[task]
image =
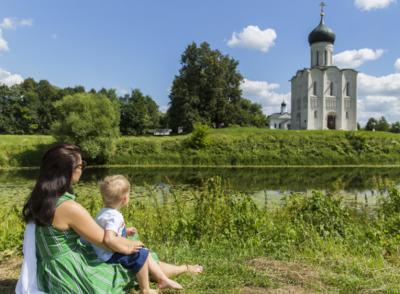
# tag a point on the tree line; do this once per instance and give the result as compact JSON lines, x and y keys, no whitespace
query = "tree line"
{"x":382,"y":125}
{"x":206,"y":90}
{"x":31,"y":108}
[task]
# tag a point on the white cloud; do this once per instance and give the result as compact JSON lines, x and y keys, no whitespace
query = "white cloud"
{"x":253,"y":37}
{"x":372,"y":4}
{"x":9,"y":79}
{"x":3,"y":43}
{"x":397,"y":65}
{"x":379,"y":96}
{"x":355,"y":58}
{"x":382,"y":86}
{"x":265,"y":94}
{"x":12,"y":23}
{"x":163,"y":108}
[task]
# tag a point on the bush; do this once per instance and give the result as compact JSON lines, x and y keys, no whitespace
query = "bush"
{"x":326,"y":214}
{"x":90,"y":121}
{"x":200,"y":137}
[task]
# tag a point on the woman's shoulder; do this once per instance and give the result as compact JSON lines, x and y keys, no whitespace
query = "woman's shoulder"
{"x":65,"y":197}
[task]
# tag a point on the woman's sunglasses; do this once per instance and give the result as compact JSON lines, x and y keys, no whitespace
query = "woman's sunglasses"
{"x":82,"y":165}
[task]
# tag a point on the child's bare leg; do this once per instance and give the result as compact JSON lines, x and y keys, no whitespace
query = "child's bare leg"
{"x":171,"y":270}
{"x":142,"y":277}
{"x":160,"y":277}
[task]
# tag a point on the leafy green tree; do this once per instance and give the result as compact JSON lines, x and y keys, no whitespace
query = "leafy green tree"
{"x":139,"y":113}
{"x":90,"y":121}
{"x":48,"y":95}
{"x":395,"y":128}
{"x":206,"y":90}
{"x":371,"y":124}
{"x":245,"y":113}
{"x":383,"y":125}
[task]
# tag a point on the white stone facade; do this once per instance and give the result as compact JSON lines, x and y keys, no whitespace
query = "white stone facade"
{"x":324,"y":96}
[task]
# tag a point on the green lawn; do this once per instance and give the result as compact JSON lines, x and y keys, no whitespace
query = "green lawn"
{"x":229,"y":147}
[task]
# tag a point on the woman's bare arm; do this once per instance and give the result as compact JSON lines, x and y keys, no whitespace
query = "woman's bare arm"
{"x":72,"y":215}
{"x":113,"y":242}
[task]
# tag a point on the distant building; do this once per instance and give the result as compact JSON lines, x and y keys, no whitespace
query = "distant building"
{"x":162,"y":132}
{"x":324,"y":96}
{"x":280,"y":120}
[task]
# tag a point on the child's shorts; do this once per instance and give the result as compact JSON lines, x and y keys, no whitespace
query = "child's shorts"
{"x":133,"y":262}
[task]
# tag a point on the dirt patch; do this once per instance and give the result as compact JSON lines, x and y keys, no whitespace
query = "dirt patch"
{"x":9,"y":272}
{"x":290,"y":277}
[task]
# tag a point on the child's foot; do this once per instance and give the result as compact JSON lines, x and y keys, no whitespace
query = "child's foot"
{"x":194,"y":268}
{"x":168,"y":283}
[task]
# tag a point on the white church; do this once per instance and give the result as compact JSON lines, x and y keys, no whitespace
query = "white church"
{"x":323,"y":96}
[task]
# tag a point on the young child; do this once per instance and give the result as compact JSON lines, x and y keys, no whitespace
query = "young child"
{"x":115,"y":193}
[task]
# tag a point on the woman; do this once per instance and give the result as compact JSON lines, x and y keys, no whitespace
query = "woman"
{"x":64,"y":264}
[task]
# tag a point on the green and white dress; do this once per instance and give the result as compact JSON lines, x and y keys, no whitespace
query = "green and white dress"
{"x":66,"y":265}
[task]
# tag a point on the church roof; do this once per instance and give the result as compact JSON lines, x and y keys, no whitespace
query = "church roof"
{"x":279,"y":115}
{"x":322,"y":33}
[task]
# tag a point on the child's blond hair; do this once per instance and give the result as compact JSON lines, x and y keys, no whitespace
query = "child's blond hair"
{"x":113,"y":189}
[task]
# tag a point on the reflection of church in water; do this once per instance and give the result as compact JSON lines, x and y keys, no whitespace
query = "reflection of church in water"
{"x":324,"y":96}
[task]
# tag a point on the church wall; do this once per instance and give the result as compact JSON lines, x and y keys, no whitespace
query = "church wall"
{"x":350,"y":100}
{"x":299,"y":100}
{"x":333,"y":103}
{"x":316,"y":119}
{"x":318,"y":52}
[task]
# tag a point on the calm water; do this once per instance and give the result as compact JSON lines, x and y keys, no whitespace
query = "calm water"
{"x":248,"y":180}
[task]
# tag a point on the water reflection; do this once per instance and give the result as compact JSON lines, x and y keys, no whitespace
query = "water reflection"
{"x":349,"y":179}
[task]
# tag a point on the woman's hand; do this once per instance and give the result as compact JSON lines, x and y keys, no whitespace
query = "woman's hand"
{"x":121,"y":245}
{"x":131,"y":231}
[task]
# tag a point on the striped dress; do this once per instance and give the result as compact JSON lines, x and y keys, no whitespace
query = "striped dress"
{"x":66,"y":265}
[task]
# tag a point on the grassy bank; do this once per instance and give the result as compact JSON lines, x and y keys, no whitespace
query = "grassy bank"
{"x":233,"y":146}
{"x":311,"y":242}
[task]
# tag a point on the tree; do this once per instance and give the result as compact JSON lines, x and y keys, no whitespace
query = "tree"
{"x":245,"y":113}
{"x":90,"y":121}
{"x":139,"y":113}
{"x":371,"y":124}
{"x":395,"y":128}
{"x":48,"y":95}
{"x":206,"y":90}
{"x":382,"y":125}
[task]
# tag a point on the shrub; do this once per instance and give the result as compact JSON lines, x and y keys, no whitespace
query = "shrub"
{"x":324,"y":213}
{"x":200,"y":137}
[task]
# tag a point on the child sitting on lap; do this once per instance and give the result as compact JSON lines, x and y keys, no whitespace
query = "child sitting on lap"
{"x":115,"y":193}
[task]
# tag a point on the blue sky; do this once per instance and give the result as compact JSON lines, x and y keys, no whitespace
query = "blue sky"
{"x":128,"y":44}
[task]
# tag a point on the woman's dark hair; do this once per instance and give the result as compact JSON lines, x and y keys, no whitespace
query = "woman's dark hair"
{"x":55,"y":175}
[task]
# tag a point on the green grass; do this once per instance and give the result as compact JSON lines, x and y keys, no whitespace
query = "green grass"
{"x":311,"y":242}
{"x":230,"y":147}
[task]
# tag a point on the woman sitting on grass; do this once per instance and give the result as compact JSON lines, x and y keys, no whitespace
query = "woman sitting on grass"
{"x":64,"y":263}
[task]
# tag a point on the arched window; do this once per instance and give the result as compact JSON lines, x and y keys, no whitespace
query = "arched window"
{"x":317,"y":57}
{"x":315,"y":88}
{"x":347,"y":114}
{"x":326,"y":57}
{"x":331,"y":89}
{"x":315,"y":114}
{"x":348,"y":89}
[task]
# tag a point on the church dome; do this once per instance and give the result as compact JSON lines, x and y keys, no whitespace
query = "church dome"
{"x":322,"y":33}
